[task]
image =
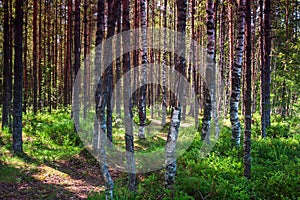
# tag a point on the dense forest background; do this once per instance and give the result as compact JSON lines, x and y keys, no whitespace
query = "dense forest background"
{"x":56,"y":88}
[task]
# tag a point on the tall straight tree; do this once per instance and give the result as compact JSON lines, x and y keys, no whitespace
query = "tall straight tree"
{"x":210,"y":24}
{"x":267,"y":68}
{"x":77,"y":51}
{"x":127,"y":100}
{"x":99,"y":140}
{"x":18,"y":79}
{"x":170,"y":157}
{"x":247,"y":94}
{"x":236,"y":75}
{"x":142,"y":101}
{"x":34,"y":55}
{"x":164,"y":91}
{"x":6,"y":71}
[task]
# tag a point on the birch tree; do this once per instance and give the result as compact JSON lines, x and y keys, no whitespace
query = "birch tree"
{"x":142,"y":101}
{"x":170,"y":159}
{"x":236,"y":75}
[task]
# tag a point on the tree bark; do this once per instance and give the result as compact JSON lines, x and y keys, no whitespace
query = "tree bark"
{"x":170,"y":155}
{"x":142,"y":101}
{"x":247,"y":95}
{"x":236,"y":76}
{"x":127,"y":101}
{"x":6,"y":71}
{"x":18,"y":79}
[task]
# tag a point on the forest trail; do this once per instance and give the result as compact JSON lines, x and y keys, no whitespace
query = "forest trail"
{"x":75,"y":178}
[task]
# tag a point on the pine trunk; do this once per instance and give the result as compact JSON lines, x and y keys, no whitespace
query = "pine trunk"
{"x":18,"y":79}
{"x":247,"y":94}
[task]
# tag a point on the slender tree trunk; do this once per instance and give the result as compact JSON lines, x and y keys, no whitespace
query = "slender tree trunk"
{"x":231,"y":49}
{"x":164,"y":81}
{"x":25,"y":78}
{"x":6,"y":70}
{"x":77,"y":83}
{"x":34,"y":56}
{"x":210,"y":23}
{"x":18,"y":79}
{"x":170,"y":157}
{"x":236,"y":76}
{"x":142,"y":101}
{"x":86,"y":58}
{"x":262,"y":76}
{"x":247,"y":95}
{"x":118,"y":69}
{"x":99,"y":137}
{"x":267,"y":68}
{"x":127,"y":101}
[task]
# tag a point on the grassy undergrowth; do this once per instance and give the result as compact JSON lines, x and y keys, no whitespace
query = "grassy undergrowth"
{"x":46,"y":138}
{"x":275,"y":169}
{"x":275,"y":161}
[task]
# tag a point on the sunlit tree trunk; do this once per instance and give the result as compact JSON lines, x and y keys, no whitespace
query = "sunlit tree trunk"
{"x":170,"y":157}
{"x":236,"y":76}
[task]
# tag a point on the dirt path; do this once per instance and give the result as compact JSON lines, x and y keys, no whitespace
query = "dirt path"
{"x":65,"y":179}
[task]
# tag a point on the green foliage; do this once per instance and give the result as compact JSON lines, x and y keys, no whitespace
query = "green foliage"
{"x":275,"y":170}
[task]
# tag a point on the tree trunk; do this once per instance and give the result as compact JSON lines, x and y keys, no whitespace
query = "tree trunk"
{"x":247,"y":94}
{"x":164,"y":81}
{"x":77,"y":83}
{"x":142,"y":101}
{"x":170,"y":157}
{"x":127,"y":101}
{"x":34,"y":56}
{"x":6,"y":70}
{"x":236,"y":76}
{"x":18,"y":78}
{"x":262,"y":76}
{"x":267,"y":68}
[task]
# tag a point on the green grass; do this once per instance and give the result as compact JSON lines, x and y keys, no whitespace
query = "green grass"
{"x":275,"y":160}
{"x":275,"y":170}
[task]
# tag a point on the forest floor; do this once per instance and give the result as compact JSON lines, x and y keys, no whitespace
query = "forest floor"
{"x":54,"y":166}
{"x":74,"y":178}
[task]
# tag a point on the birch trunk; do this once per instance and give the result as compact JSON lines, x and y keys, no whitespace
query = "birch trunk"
{"x":142,"y":101}
{"x":127,"y":102}
{"x":236,"y":76}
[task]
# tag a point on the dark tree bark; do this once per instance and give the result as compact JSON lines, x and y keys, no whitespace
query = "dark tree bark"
{"x":86,"y":74}
{"x":25,"y":48}
{"x":262,"y":76}
{"x":6,"y":71}
{"x":267,"y":68}
{"x":247,"y":94}
{"x":34,"y":55}
{"x":77,"y":47}
{"x":127,"y":101}
{"x":18,"y":79}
